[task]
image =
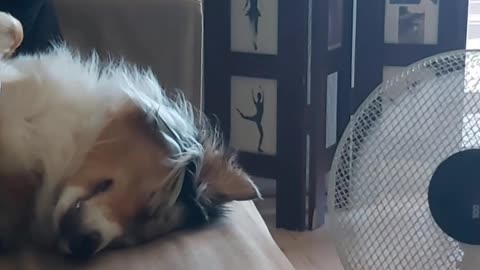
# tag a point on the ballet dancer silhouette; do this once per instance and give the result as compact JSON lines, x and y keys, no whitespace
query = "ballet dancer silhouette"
{"x":253,"y":14}
{"x":257,"y":117}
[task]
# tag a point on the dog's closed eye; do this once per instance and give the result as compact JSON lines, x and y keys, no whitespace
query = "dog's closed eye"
{"x":103,"y":186}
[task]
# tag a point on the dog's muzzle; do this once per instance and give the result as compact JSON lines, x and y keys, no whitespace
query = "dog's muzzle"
{"x":74,"y":238}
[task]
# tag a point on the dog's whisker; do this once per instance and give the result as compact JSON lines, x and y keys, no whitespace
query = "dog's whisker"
{"x":106,"y":141}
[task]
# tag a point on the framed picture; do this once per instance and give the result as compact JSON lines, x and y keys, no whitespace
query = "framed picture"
{"x":335,"y":24}
{"x":411,"y":21}
{"x":253,"y":115}
{"x":254,"y":26}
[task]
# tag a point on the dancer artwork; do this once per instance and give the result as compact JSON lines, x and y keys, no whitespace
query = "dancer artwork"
{"x":257,"y":117}
{"x":253,"y":115}
{"x":254,"y":26}
{"x":253,"y":13}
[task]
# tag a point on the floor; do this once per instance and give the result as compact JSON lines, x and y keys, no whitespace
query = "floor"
{"x":311,"y":250}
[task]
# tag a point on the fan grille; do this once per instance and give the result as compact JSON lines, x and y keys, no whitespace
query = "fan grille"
{"x":377,"y":203}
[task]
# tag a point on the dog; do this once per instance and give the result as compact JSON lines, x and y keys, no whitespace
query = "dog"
{"x":97,"y":155}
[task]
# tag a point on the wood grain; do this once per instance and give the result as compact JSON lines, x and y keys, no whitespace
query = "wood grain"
{"x":312,"y":250}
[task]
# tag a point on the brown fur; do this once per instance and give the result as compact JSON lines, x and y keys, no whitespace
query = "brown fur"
{"x":127,"y":154}
{"x":131,"y":154}
{"x":225,"y":179}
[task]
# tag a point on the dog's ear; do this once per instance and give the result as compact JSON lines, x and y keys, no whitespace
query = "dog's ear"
{"x":224,"y":180}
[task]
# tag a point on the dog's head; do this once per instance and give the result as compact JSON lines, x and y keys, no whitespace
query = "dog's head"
{"x":143,"y":178}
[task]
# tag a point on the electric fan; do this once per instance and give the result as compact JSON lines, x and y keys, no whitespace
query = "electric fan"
{"x":404,"y":188}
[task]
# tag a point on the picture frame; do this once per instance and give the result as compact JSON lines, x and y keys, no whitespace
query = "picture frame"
{"x":412,"y":22}
{"x":253,"y":114}
{"x":444,"y":22}
{"x":254,"y":26}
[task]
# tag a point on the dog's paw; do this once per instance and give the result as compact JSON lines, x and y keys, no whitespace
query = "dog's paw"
{"x":11,"y":34}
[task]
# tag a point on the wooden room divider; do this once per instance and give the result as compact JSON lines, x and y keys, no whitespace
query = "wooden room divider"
{"x":282,"y":78}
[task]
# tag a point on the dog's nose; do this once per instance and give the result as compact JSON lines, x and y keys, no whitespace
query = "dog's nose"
{"x":83,"y":246}
{"x":71,"y":220}
{"x":80,"y":242}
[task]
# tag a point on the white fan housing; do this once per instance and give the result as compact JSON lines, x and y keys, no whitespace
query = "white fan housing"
{"x":378,"y":189}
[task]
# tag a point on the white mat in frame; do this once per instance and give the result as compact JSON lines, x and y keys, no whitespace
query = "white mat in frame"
{"x":411,"y":21}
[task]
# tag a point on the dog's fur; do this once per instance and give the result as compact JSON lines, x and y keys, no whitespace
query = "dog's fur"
{"x":92,"y":147}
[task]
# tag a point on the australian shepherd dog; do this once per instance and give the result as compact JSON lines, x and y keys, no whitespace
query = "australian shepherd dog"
{"x":96,"y":155}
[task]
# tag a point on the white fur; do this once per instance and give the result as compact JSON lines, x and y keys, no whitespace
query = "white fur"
{"x":96,"y":218}
{"x":55,"y":106}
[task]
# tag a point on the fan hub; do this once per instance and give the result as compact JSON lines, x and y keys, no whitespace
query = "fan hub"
{"x":454,"y":196}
